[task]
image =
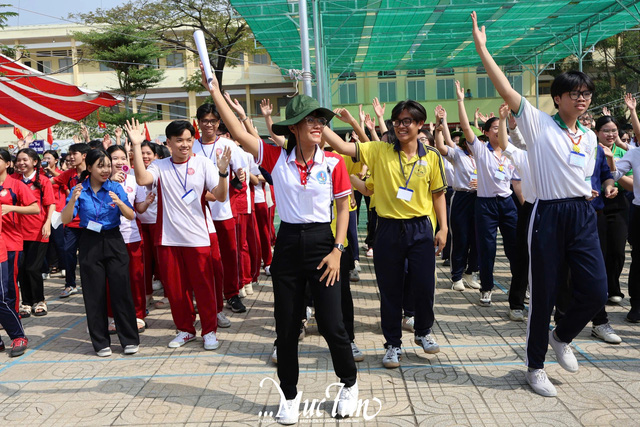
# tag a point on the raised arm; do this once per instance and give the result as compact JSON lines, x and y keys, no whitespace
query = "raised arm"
{"x":136,"y":137}
{"x":267,"y":109}
{"x":337,"y":143}
{"x":462,"y":113}
{"x":439,"y":135}
{"x":503,"y":135}
{"x":235,"y":105}
{"x":345,"y":116}
{"x":445,"y":131}
{"x":494,"y":72}
{"x":379,"y":110}
{"x":631,"y":105}
{"x":371,"y":125}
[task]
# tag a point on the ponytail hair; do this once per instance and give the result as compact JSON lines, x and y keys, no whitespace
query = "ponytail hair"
{"x":94,"y":157}
{"x":36,"y":179}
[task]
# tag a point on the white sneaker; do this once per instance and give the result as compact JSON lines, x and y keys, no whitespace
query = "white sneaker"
{"x":606,"y":333}
{"x":105,"y":352}
{"x":392,"y":357}
{"x":356,"y":264}
{"x":309,"y":313}
{"x":242,"y":293}
{"x":540,"y":383}
{"x":369,"y":253}
{"x":181,"y":339}
{"x":63,"y":273}
{"x":274,"y":355}
{"x":485,"y":298}
{"x":288,"y":412}
{"x":408,"y":323}
{"x":354,"y":276}
{"x":223,"y":321}
{"x":458,"y":285}
{"x":131,"y":349}
{"x":156,"y":285}
{"x":616,"y":299}
{"x":358,"y":356}
{"x":348,"y":401}
{"x":473,"y":281}
{"x":428,"y":344}
{"x":249,"y":288}
{"x":564,"y":354}
{"x":210,"y":341}
{"x":267,"y":271}
{"x":517,"y":315}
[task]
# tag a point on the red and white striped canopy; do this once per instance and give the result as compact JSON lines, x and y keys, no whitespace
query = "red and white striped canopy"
{"x":32,"y":100}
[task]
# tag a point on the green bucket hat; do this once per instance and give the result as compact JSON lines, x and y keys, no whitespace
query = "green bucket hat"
{"x":297,"y":109}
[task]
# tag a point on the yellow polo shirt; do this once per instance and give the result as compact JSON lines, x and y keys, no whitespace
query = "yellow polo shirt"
{"x":392,"y":169}
{"x":353,"y":168}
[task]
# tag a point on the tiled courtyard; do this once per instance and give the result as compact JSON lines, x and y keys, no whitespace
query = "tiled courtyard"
{"x":477,"y":379}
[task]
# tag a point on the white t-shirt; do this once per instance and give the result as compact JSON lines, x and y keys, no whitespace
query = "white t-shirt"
{"x":520,"y":160}
{"x":463,"y":167}
{"x":135,"y":194}
{"x":183,"y":223}
{"x":488,"y":164}
{"x":630,"y":160}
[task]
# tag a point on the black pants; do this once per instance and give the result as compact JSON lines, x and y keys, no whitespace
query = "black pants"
{"x":29,"y":275}
{"x":462,"y":223}
{"x":634,"y":268}
{"x":71,"y":239}
{"x":372,"y":226}
{"x":520,"y":279}
{"x":299,"y":249}
{"x":346,"y":265}
{"x":103,"y":256}
{"x":446,"y":251}
{"x":616,"y":212}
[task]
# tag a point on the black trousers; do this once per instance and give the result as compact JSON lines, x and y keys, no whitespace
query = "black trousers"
{"x":29,"y":274}
{"x":446,"y":251}
{"x":346,"y":265}
{"x":616,"y":212}
{"x":462,"y":223}
{"x":299,"y":249}
{"x":520,"y":279}
{"x":103,"y":256}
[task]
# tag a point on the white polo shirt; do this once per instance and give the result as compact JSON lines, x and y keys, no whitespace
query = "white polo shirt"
{"x":327,"y":179}
{"x":520,"y":159}
{"x":149,"y":216}
{"x":488,"y":164}
{"x":448,"y":172}
{"x":220,"y":211}
{"x":630,"y":160}
{"x":181,"y":223}
{"x":463,"y":166}
{"x":135,"y":194}
{"x":550,"y":146}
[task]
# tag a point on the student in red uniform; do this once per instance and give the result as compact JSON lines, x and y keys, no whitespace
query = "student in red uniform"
{"x":36,"y":230}
{"x":183,"y":238}
{"x":55,"y":251}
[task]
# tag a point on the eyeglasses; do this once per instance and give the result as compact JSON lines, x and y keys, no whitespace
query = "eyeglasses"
{"x":404,"y":122}
{"x":625,"y":139}
{"x":609,"y":131}
{"x":209,"y":122}
{"x":586,"y":120}
{"x":311,"y":121}
{"x":586,"y":94}
{"x":423,"y":139}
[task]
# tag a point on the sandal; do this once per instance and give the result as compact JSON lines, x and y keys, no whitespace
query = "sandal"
{"x":40,"y":309}
{"x":25,"y":311}
{"x":112,"y":327}
{"x":163,"y":303}
{"x":142,"y":325}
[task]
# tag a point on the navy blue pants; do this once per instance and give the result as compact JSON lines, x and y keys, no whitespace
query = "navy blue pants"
{"x":397,"y":241}
{"x":352,"y":234}
{"x":12,"y":287}
{"x":520,"y":280}
{"x":563,"y":235}
{"x":493,"y":213}
{"x":446,"y":251}
{"x":9,"y":319}
{"x":464,"y":253}
{"x":71,"y":243}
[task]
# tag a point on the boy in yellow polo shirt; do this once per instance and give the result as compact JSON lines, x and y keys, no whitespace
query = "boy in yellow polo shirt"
{"x":410,"y":189}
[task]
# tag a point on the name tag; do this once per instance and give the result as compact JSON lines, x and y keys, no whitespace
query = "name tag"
{"x":473,"y":176}
{"x":94,"y":226}
{"x":405,"y":194}
{"x":499,"y":175}
{"x":577,"y":159}
{"x":305,"y":203}
{"x":189,"y":197}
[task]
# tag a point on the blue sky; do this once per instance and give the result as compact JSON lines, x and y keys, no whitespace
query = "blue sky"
{"x":32,"y":12}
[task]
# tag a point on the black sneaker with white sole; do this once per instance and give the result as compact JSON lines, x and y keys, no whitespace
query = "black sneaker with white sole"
{"x":236,"y":305}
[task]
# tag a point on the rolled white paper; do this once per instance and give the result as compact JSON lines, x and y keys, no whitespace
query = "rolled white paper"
{"x":198,"y":37}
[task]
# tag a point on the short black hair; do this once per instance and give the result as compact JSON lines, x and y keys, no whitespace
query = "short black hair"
{"x":177,"y":128}
{"x":417,"y":111}
{"x":54,"y":153}
{"x":95,"y":144}
{"x":571,"y":80}
{"x":81,"y":148}
{"x":222,"y":128}
{"x":487,"y":125}
{"x":205,"y":109}
{"x":163,"y":152}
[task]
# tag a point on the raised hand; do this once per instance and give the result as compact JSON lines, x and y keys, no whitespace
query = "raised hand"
{"x":118,"y":177}
{"x":361,"y":114}
{"x":343,"y":115}
{"x":84,"y":132}
{"x":223,"y":160}
{"x":504,"y":111}
{"x":118,"y":133}
{"x":607,"y":151}
{"x":266,"y":108}
{"x":482,"y":117}
{"x":605,"y":111}
{"x":106,"y":141}
{"x":459,"y":91}
{"x":76,"y":192}
{"x":135,"y":131}
{"x":235,"y":106}
{"x":369,"y":122}
{"x":479,"y":34}
{"x":115,"y":198}
{"x":631,"y":102}
{"x":214,"y":80}
{"x":76,"y":139}
{"x":440,"y":113}
{"x":379,"y":109}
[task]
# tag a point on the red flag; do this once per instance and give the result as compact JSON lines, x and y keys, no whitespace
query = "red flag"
{"x":49,"y":136}
{"x":18,"y":133}
{"x":102,"y":125}
{"x":147,"y":135}
{"x":195,"y":125}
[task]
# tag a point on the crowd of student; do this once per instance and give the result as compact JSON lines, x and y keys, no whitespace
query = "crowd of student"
{"x":195,"y":218}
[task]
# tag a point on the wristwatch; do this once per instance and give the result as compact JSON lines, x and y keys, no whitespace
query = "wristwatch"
{"x":340,"y":247}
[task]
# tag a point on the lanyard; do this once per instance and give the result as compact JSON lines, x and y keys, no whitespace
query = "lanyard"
{"x":576,"y":145}
{"x":500,"y":161}
{"x":406,"y":184}
{"x":213,"y":148}
{"x":186,"y":174}
{"x":304,"y":177}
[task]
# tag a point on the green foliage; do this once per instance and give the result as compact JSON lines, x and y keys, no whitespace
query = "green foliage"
{"x":112,"y":119}
{"x":4,"y":16}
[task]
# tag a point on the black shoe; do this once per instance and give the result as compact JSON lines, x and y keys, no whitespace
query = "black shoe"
{"x":236,"y":305}
{"x":446,"y":262}
{"x":634,"y":315}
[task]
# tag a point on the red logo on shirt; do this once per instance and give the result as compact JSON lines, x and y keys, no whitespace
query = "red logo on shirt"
{"x":219,"y":151}
{"x":3,"y":193}
{"x":129,"y":189}
{"x":113,"y":205}
{"x":191,"y":171}
{"x":33,"y":187}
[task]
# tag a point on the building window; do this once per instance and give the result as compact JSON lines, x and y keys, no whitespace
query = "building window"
{"x":282,"y":103}
{"x":444,"y":72}
{"x":261,"y":58}
{"x":27,"y":63}
{"x":44,"y":66}
{"x":516,"y":83}
{"x":348,"y":93}
{"x":257,"y":107}
{"x":175,"y":60}
{"x":177,"y":110}
{"x":415,"y":73}
{"x":64,"y":65}
{"x":486,"y":88}
{"x":347,"y":75}
{"x":481,"y":70}
{"x":445,"y":89}
{"x":387,"y":91}
{"x":416,"y":90}
{"x":386,"y":74}
{"x":154,"y":63}
{"x":104,"y":67}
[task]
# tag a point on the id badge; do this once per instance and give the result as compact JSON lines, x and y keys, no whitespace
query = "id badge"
{"x":499,"y":175}
{"x":405,"y":194}
{"x":473,"y":176}
{"x":305,"y":203}
{"x":577,"y":159}
{"x":94,"y":226}
{"x":189,"y":197}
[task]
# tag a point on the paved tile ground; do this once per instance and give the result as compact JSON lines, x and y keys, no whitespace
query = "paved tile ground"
{"x":477,"y":379}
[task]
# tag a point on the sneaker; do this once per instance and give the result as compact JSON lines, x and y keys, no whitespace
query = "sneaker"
{"x":288,"y":412}
{"x":274,"y":355}
{"x":131,"y":349}
{"x":112,"y":326}
{"x":408,"y":323}
{"x":248,"y":288}
{"x":242,"y":293}
{"x":606,"y":333}
{"x":517,"y":315}
{"x":211,"y":341}
{"x":68,"y":291}
{"x":356,"y":265}
{"x":458,"y":285}
{"x":156,"y":285}
{"x":392,"y":357}
{"x":369,"y":253}
{"x":634,"y":315}
{"x":63,"y":273}
{"x":236,"y":305}
{"x":223,"y":321}
{"x":181,"y":339}
{"x":615,"y":299}
{"x":485,"y":298}
{"x":45,"y":276}
{"x":308,"y":313}
{"x":527,"y":296}
{"x":142,"y":325}
{"x":105,"y":352}
{"x":358,"y":356}
{"x":428,"y":344}
{"x":348,"y":401}
{"x":267,"y":271}
{"x":18,"y":347}
{"x":446,"y":263}
{"x":540,"y":383}
{"x":354,"y":276}
{"x":473,"y":281}
{"x":564,"y":354}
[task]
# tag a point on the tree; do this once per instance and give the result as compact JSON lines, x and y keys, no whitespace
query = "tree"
{"x":4,"y":17}
{"x":174,"y":21}
{"x":130,"y":52}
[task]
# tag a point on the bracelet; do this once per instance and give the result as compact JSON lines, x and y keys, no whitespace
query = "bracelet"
{"x":245,"y":119}
{"x":223,"y":175}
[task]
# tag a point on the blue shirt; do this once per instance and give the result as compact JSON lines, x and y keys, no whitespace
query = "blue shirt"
{"x":99,"y":207}
{"x":601,"y":173}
